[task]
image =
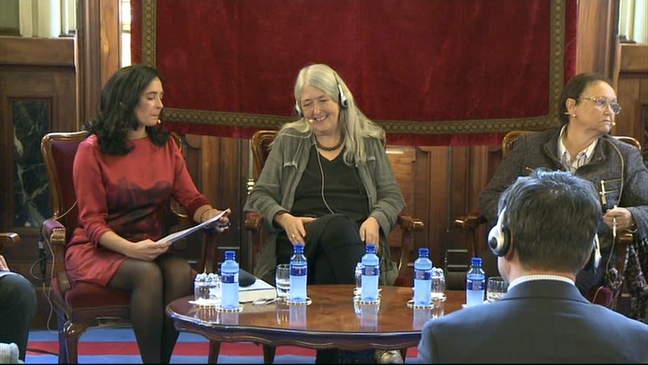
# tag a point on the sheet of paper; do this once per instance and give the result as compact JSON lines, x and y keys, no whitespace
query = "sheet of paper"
{"x":185,"y":232}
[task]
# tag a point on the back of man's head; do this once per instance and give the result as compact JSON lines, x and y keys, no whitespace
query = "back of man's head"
{"x":552,"y":218}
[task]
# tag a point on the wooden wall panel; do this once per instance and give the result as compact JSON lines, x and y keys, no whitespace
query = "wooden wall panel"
{"x":632,"y":91}
{"x":42,"y":71}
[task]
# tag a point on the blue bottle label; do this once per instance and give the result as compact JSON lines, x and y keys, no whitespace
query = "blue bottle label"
{"x":298,"y":270}
{"x":475,"y":284}
{"x":371,"y":270}
{"x":422,"y":275}
{"x":229,"y":278}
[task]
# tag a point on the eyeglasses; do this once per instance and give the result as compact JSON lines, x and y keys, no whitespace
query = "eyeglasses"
{"x":603,"y":103}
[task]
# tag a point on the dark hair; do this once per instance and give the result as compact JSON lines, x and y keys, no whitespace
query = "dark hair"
{"x":574,"y":90}
{"x":552,"y":217}
{"x":116,"y":110}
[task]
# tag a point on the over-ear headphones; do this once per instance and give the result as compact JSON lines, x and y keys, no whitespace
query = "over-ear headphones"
{"x":499,"y":237}
{"x":342,"y":100}
{"x":499,"y":241}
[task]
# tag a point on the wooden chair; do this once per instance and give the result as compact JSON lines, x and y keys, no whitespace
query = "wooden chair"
{"x":600,"y":295}
{"x":261,"y":141}
{"x":80,"y":306}
{"x":8,"y":239}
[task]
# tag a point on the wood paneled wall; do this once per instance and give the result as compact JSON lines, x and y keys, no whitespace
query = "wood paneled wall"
{"x":631,"y":84}
{"x":42,"y":71}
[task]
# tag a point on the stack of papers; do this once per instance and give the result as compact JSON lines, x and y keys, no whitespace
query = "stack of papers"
{"x":185,"y":232}
{"x":257,"y":291}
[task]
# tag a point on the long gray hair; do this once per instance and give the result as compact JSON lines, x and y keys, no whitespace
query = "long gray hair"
{"x":354,"y":124}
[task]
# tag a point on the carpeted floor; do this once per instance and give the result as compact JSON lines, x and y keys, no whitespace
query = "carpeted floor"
{"x":117,"y":346}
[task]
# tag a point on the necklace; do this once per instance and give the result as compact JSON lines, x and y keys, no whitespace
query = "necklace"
{"x":324,"y":148}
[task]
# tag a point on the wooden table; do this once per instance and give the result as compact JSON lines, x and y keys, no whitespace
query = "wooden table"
{"x":331,"y":321}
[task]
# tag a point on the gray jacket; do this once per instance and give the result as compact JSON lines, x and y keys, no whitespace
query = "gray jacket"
{"x":615,"y":167}
{"x":275,"y":191}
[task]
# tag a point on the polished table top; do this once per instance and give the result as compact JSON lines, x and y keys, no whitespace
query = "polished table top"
{"x":332,"y":320}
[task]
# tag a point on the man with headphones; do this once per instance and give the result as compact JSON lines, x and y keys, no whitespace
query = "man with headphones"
{"x":542,"y":318}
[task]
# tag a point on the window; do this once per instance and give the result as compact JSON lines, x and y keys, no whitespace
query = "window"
{"x":125,"y":29}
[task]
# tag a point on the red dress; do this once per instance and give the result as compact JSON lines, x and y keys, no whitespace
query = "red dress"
{"x":126,"y":194}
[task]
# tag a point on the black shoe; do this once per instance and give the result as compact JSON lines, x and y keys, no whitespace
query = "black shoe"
{"x":327,"y":356}
{"x":357,"y":357}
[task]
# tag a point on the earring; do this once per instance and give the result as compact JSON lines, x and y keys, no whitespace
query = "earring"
{"x":574,"y":115}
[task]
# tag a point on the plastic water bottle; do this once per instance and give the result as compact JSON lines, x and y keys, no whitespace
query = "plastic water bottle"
{"x":298,"y":274}
{"x":475,"y":283}
{"x":423,"y":278}
{"x":229,"y":282}
{"x":370,"y":274}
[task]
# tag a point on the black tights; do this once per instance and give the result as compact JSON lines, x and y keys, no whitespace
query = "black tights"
{"x":153,"y":285}
{"x":333,"y":248}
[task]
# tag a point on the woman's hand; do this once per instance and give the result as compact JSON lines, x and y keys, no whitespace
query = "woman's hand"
{"x":220,"y":225}
{"x":623,"y":217}
{"x":370,"y":232}
{"x":294,"y":226}
{"x":148,"y":250}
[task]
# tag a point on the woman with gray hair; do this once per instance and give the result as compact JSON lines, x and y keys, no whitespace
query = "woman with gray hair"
{"x":329,"y":184}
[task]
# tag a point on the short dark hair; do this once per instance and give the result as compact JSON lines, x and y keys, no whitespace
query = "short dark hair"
{"x":552,"y":217}
{"x":574,"y":90}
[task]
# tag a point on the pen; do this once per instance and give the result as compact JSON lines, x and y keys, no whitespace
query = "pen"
{"x":614,"y":226}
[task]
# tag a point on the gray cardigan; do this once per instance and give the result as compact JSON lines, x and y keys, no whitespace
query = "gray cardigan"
{"x":615,"y":165}
{"x":275,"y":191}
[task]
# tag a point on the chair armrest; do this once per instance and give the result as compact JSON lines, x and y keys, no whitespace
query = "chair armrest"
{"x":470,"y":221}
{"x":54,"y":236}
{"x":622,"y":247}
{"x":253,"y":221}
{"x":8,"y":239}
{"x":409,"y":223}
{"x":469,"y":224}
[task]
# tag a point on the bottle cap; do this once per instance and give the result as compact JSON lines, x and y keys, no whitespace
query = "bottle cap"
{"x":229,"y":255}
{"x":476,"y":261}
{"x":371,"y":247}
{"x":423,"y":251}
{"x":298,"y":246}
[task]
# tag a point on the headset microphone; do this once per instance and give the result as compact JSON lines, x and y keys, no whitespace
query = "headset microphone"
{"x":298,"y":110}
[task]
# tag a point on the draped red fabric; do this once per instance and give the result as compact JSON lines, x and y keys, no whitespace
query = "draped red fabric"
{"x":431,"y":72}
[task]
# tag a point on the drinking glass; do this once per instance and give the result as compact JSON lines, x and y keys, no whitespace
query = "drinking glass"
{"x":496,"y":288}
{"x":438,"y":283}
{"x":282,"y":282}
{"x":358,"y":279}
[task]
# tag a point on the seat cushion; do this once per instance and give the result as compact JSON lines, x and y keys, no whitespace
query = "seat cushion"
{"x":601,"y":295}
{"x":87,"y":302}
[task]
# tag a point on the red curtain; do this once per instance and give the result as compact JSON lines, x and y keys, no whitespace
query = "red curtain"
{"x":431,"y":72}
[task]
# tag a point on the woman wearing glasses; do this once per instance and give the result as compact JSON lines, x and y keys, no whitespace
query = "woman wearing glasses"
{"x":582,"y":145}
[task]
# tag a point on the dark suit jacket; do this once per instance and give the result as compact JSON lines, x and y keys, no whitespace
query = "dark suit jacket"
{"x":544,"y":321}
